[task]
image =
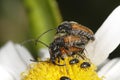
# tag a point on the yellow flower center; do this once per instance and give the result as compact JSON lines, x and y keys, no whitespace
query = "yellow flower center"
{"x":83,"y":70}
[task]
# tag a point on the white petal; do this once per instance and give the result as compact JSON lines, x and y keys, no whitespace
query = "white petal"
{"x":111,"y":71}
{"x":44,"y":53}
{"x":105,"y":62}
{"x":107,"y":38}
{"x":11,"y":59}
{"x":5,"y":75}
{"x":24,"y":53}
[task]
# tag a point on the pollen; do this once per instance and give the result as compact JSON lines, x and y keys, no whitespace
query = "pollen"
{"x":49,"y":71}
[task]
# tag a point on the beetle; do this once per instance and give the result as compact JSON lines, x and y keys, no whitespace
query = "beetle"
{"x":59,"y":51}
{"x":70,"y":39}
{"x":85,"y":65}
{"x":73,"y":61}
{"x":74,"y":28}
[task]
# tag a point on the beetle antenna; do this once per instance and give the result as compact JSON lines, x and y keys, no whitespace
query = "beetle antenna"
{"x":44,"y":33}
{"x":43,"y":43}
{"x":26,"y":41}
{"x":34,"y":40}
{"x":37,"y":40}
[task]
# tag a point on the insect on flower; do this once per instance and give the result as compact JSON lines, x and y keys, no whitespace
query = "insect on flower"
{"x":70,"y":40}
{"x":73,"y":41}
{"x":73,"y":61}
{"x":66,"y":45}
{"x":85,"y":65}
{"x":73,"y":28}
{"x":58,"y":51}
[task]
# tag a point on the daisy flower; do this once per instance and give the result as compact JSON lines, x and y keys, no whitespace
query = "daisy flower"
{"x":15,"y":59}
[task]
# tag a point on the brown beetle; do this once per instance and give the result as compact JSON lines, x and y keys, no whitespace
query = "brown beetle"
{"x":73,"y":28}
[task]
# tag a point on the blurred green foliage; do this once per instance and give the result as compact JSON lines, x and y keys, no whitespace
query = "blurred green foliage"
{"x":13,"y":21}
{"x":43,"y":15}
